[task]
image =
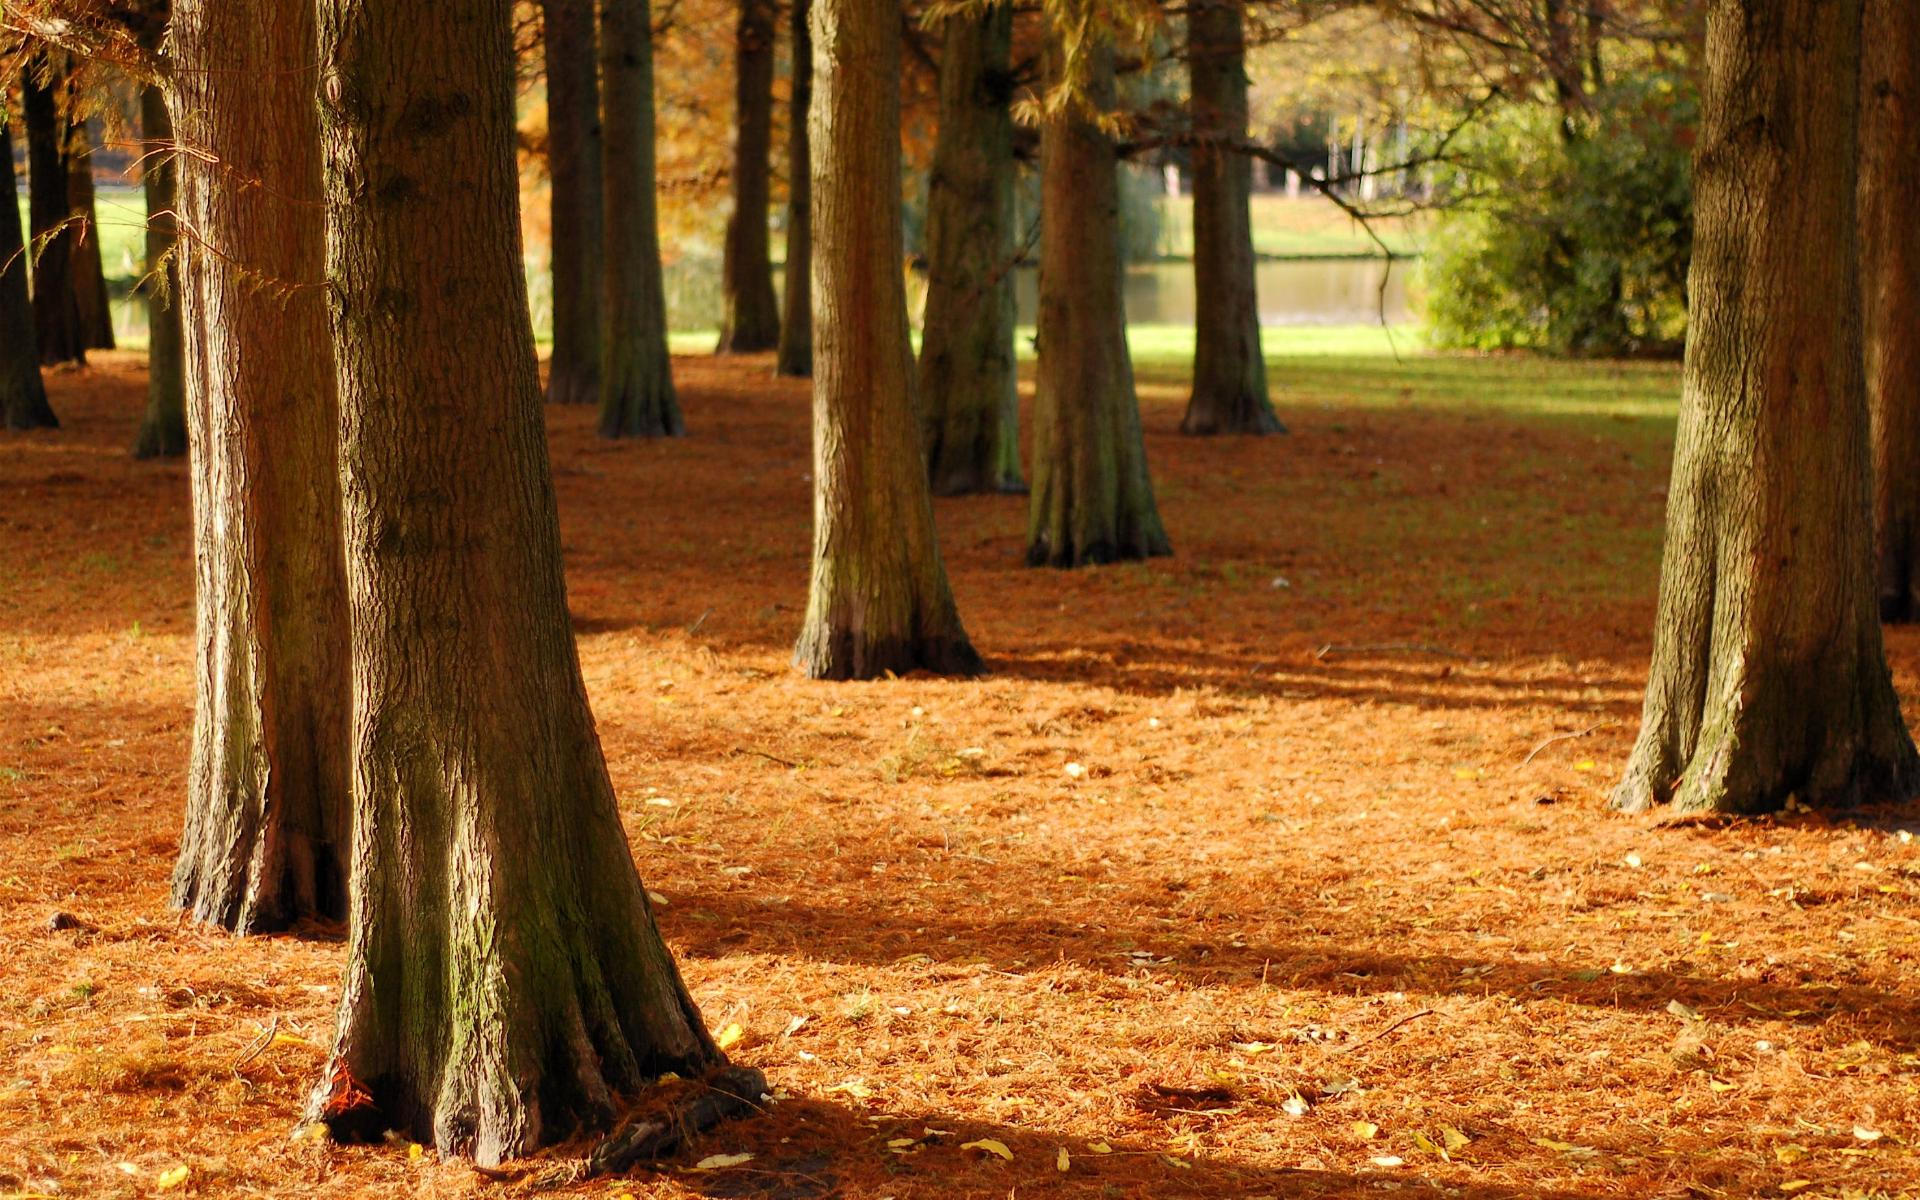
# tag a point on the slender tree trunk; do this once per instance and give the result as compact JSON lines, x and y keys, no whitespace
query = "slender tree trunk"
{"x":505,"y":982}
{"x":23,"y":397}
{"x":636,"y":374}
{"x":880,"y":600}
{"x":163,"y":427}
{"x":970,"y":406}
{"x":1890,"y":289}
{"x":89,"y":271}
{"x":1092,"y":498}
{"x":752,"y":318}
{"x":1229,"y":370}
{"x":266,"y":836}
{"x":1768,"y":678}
{"x":56,"y":311}
{"x":795,"y":356}
{"x":577,"y":199}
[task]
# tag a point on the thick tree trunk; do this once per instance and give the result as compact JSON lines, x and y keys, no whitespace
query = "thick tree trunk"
{"x":266,"y":835}
{"x":505,"y":982}
{"x":1229,"y":370}
{"x":577,"y":198}
{"x":879,"y":600}
{"x":1092,"y":498}
{"x":1768,"y":678}
{"x":89,"y":271}
{"x":56,"y":311}
{"x":969,"y":403}
{"x":795,"y":355}
{"x":1890,"y":289}
{"x":751,"y":321}
{"x":636,"y":375}
{"x":23,"y":397}
{"x":163,"y":427}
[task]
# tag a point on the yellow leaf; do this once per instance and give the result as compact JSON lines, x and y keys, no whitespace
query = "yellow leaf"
{"x":1100,"y":1147}
{"x":1171,"y":1161}
{"x":730,"y":1036}
{"x":990,"y":1146}
{"x":1721,"y":1085}
{"x":1465,"y":773}
{"x":415,"y":1151}
{"x":1366,"y":1130}
{"x":1426,"y":1143}
{"x":1452,"y":1138}
{"x":291,"y":1039}
{"x":1789,"y":1154}
{"x":898,"y":1143}
{"x":172,"y":1178}
{"x":857,"y":1088}
{"x":1585,"y":764}
{"x":1061,"y":1161}
{"x":1796,"y":1185}
{"x":713,"y":1162}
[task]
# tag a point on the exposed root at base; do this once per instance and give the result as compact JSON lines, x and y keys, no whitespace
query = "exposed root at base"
{"x":730,"y":1092}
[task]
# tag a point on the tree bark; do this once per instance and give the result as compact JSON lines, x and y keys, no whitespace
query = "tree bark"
{"x":23,"y":396}
{"x":266,"y":835}
{"x":1229,"y":370}
{"x":163,"y":427}
{"x":505,"y":981}
{"x":1768,"y":678}
{"x":56,"y":310}
{"x":577,"y":199}
{"x":636,"y":374}
{"x":1890,"y":290}
{"x":89,"y":271}
{"x":970,"y":406}
{"x":1092,"y":499}
{"x":752,"y":318}
{"x":879,"y":600}
{"x":795,"y":355}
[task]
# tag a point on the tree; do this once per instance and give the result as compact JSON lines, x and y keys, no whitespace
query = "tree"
{"x":636,"y":374}
{"x":56,"y":310}
{"x":1092,"y":499}
{"x":89,"y":271}
{"x":1768,"y":678}
{"x":265,"y":838}
{"x":574,"y":173}
{"x":163,"y":427}
{"x":795,"y":353}
{"x":1890,"y":289}
{"x":752,"y":318}
{"x":1229,"y":370}
{"x":504,"y":981}
{"x":970,"y":405}
{"x":23,"y":397}
{"x":879,"y":599}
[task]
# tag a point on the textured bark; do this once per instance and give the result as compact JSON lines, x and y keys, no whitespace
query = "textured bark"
{"x":1890,"y":290}
{"x":505,"y":981}
{"x":969,"y":404}
{"x":1768,"y":678}
{"x":751,"y":321}
{"x":89,"y":272}
{"x":879,"y":600}
{"x":636,"y":374}
{"x":576,"y":197}
{"x":1229,"y":370}
{"x":163,"y":427}
{"x":265,"y":838}
{"x":23,"y":397}
{"x":795,"y":355}
{"x":1092,"y":500}
{"x":56,"y":311}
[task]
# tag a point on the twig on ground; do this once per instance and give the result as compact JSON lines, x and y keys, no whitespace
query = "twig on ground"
{"x":1368,"y":1041}
{"x":1333,"y":648}
{"x":785,"y":762}
{"x":259,"y":1047}
{"x":1565,"y":737}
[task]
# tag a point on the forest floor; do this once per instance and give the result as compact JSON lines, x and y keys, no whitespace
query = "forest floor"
{"x":1279,"y":867}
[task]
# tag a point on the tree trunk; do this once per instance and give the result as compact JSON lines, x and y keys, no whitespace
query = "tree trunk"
{"x":969,"y":399}
{"x":636,"y":373}
{"x":795,"y":356}
{"x":505,"y":981}
{"x":23,"y":397}
{"x":56,"y":311}
{"x":163,"y":427}
{"x":89,"y":272}
{"x":1229,"y":370}
{"x":1092,"y":499}
{"x":752,"y":318}
{"x":266,"y":833}
{"x":1890,"y":289}
{"x":879,"y":600}
{"x":577,"y":200}
{"x":1768,"y":679}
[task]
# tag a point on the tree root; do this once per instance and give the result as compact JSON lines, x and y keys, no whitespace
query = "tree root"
{"x":730,"y":1092}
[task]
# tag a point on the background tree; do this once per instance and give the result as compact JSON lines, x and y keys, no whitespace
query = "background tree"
{"x":89,"y":270}
{"x":265,"y":837}
{"x":636,"y":375}
{"x":879,"y":599}
{"x":752,"y":318}
{"x":795,"y":354}
{"x":1229,"y":369}
{"x":163,"y":426}
{"x":970,"y":405}
{"x":504,"y":979}
{"x":1768,"y":677}
{"x":56,"y":308}
{"x":578,"y":200}
{"x":23,"y":398}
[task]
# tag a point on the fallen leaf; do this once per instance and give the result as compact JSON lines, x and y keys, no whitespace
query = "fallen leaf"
{"x":857,"y":1088}
{"x":1452,"y":1138}
{"x":1296,"y":1106}
{"x":793,"y":1026}
{"x":1796,"y":1185}
{"x":1062,"y":1161}
{"x":990,"y":1146}
{"x":897,"y":1143}
{"x":1866,"y":1135}
{"x":1171,"y":1161}
{"x":730,"y":1036}
{"x":1366,"y":1130}
{"x":1789,"y":1154}
{"x":1100,"y":1147}
{"x":1389,"y":1160}
{"x":1426,"y":1143}
{"x":1684,"y":1012}
{"x":714,"y":1162}
{"x":172,"y":1178}
{"x":415,"y":1151}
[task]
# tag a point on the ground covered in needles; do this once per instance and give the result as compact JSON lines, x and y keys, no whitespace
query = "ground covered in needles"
{"x":1280,"y":867}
